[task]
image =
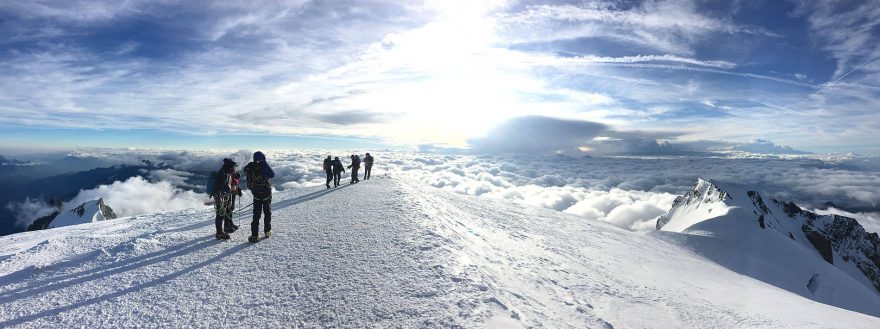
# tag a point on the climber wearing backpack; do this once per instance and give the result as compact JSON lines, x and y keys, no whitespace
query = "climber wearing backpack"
{"x":355,"y":165}
{"x":338,"y":169}
{"x":259,"y":175}
{"x":328,"y":170}
{"x":368,"y":166}
{"x":222,"y":191}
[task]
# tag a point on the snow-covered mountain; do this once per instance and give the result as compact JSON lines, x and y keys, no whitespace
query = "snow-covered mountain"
{"x":391,"y":253}
{"x":88,"y":212}
{"x":827,"y":258}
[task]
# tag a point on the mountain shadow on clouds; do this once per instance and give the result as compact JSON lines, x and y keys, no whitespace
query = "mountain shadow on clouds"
{"x":544,"y":135}
{"x":766,"y":147}
{"x":537,"y":135}
{"x":355,"y":117}
{"x":634,"y":144}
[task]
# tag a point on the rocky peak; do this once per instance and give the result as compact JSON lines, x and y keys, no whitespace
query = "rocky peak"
{"x":89,"y":211}
{"x":835,"y":239}
{"x":703,"y":193}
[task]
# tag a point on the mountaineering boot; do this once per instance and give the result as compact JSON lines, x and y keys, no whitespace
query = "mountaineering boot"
{"x":231,"y":229}
{"x":267,"y":234}
{"x":253,"y":238}
{"x":222,"y":236}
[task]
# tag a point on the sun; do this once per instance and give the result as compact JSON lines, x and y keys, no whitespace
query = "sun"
{"x":450,"y":80}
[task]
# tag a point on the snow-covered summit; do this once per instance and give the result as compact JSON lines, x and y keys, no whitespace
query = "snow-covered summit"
{"x":704,"y":201}
{"x":387,"y":253}
{"x":816,"y":256}
{"x":87,"y":212}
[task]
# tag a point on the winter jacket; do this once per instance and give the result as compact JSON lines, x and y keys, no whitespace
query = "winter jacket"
{"x":355,"y":163}
{"x":259,"y":176}
{"x":327,"y":165}
{"x":368,"y":161}
{"x":337,"y":166}
{"x":222,"y":183}
{"x":223,"y":180}
{"x":235,"y":179}
{"x":265,"y":170}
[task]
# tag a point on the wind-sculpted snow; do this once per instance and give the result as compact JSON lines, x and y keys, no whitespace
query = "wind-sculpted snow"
{"x":383,"y":253}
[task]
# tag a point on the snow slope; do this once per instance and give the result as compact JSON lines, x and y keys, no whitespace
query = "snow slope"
{"x":88,"y":212}
{"x":384,"y":253}
{"x":778,"y":243}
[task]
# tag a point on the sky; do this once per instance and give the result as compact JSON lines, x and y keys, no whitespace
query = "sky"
{"x":621,"y":77}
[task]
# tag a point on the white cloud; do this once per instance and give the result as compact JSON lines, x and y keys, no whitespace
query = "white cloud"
{"x":137,"y":196}
{"x":405,"y":73}
{"x":848,"y":31}
{"x":648,"y":58}
{"x":29,"y":210}
{"x":629,"y":192}
{"x":869,"y":220}
{"x":668,"y":26}
{"x":175,"y":177}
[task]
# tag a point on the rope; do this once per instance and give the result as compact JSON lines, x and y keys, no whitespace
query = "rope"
{"x":245,"y":207}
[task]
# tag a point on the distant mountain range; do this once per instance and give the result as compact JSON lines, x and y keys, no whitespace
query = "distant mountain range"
{"x":30,"y":180}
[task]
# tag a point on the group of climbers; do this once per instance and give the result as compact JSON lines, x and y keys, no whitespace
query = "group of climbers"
{"x":224,"y":187}
{"x":333,"y":168}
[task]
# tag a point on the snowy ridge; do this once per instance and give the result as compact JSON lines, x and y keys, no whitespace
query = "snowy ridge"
{"x":384,"y":253}
{"x":87,"y":212}
{"x":704,"y":201}
{"x":828,"y":258}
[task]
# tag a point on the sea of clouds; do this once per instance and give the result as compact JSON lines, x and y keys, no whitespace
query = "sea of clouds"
{"x":628,"y":192}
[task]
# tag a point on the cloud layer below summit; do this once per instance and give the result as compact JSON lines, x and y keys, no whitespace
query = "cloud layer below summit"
{"x":629,"y":192}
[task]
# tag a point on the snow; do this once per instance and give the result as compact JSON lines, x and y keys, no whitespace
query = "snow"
{"x":91,"y":212}
{"x":718,"y":221}
{"x":386,"y":253}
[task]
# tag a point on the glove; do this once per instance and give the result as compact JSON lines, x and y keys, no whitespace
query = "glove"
{"x":239,"y":193}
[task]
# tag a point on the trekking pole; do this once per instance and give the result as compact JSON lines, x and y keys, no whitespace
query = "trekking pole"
{"x":245,"y":207}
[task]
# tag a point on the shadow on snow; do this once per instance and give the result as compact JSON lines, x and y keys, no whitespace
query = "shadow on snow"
{"x":199,"y":244}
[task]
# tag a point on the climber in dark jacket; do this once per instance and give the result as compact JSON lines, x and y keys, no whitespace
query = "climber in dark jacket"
{"x":259,"y":176}
{"x":328,"y":170}
{"x":223,"y":196}
{"x":368,"y":166}
{"x":338,"y":168}
{"x":355,"y":165}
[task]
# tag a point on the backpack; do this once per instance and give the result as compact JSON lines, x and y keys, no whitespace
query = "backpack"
{"x":255,"y":178}
{"x":209,"y":186}
{"x":213,"y":188}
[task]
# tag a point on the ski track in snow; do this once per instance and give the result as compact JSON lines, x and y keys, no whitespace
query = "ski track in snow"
{"x":382,"y":253}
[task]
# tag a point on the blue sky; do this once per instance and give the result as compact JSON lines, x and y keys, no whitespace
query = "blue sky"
{"x":336,"y":74}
